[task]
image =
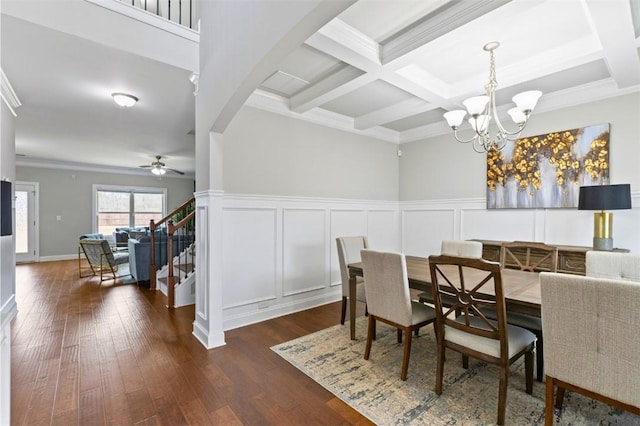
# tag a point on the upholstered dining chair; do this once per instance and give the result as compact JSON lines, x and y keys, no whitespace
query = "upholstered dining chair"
{"x":460,"y":248}
{"x":476,"y":283}
{"x":613,"y":265}
{"x":349,"y":252}
{"x":590,"y":327}
{"x":389,"y":300}
{"x":102,"y":260}
{"x":532,"y":257}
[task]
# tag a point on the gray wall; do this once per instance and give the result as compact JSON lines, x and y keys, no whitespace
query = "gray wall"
{"x":442,"y":168}
{"x":271,"y":154}
{"x":68,"y":193}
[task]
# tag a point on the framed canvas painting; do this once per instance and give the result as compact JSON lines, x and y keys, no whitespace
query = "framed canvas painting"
{"x":546,"y":171}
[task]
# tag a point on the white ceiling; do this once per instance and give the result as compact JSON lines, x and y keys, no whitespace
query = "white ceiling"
{"x":384,"y":68}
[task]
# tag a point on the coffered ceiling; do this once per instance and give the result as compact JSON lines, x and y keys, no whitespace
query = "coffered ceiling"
{"x":384,"y":68}
{"x":391,"y":69}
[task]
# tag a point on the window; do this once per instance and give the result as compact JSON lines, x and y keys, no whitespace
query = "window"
{"x":119,"y":207}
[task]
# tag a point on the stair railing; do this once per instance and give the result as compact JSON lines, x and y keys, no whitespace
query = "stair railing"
{"x":181,"y":212}
{"x":183,"y":233}
{"x":182,"y":12}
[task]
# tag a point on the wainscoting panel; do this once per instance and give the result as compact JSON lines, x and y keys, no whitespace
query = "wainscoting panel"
{"x":304,"y":250}
{"x":383,"y":229}
{"x":249,"y":256}
{"x":344,"y":223}
{"x":424,"y":229}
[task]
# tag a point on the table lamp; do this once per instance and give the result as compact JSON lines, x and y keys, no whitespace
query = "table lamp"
{"x":604,"y":197}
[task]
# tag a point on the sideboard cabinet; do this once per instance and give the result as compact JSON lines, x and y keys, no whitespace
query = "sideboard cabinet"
{"x":571,"y":259}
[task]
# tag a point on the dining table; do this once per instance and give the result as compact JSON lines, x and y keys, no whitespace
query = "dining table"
{"x":521,"y":289}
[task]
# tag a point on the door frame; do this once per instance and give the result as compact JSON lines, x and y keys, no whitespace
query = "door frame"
{"x":33,"y":255}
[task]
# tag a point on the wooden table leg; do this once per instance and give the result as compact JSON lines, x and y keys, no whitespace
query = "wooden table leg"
{"x":352,"y":306}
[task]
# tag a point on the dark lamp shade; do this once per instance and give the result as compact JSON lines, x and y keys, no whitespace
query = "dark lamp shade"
{"x":605,"y":197}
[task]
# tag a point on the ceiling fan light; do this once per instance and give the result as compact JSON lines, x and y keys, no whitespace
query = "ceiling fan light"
{"x":124,"y":100}
{"x":158,"y":171}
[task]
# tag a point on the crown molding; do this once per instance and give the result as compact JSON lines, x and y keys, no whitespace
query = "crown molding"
{"x":8,"y":95}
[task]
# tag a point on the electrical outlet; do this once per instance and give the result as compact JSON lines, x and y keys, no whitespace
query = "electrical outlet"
{"x":263,"y":305}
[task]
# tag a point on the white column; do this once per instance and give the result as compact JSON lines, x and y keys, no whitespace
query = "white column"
{"x":207,"y":326}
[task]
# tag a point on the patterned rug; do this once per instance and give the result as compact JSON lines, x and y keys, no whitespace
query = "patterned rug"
{"x":469,"y":397}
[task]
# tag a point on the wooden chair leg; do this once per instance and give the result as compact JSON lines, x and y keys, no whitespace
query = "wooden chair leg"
{"x":439,"y":367}
{"x":399,"y":333}
{"x":416,"y":332}
{"x":344,"y":310}
{"x":370,"y":332}
{"x":548,"y":402}
{"x":465,"y":361}
{"x":559,"y":397}
{"x":407,"y":353}
{"x":528,"y":371}
{"x":502,"y":393}
{"x":539,"y":357}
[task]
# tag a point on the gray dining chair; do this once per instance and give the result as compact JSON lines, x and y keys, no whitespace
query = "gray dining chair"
{"x":349,"y":252}
{"x":463,"y":328}
{"x":389,"y":300}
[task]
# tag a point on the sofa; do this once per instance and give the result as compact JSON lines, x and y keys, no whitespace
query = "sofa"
{"x":140,"y":253}
{"x":121,"y":235}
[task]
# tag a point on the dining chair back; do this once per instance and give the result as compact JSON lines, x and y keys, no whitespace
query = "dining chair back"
{"x":475,"y":284}
{"x":529,"y":256}
{"x":102,"y":260}
{"x":349,"y":252}
{"x":613,"y":265}
{"x":532,"y":257}
{"x":592,"y":344}
{"x":460,"y":248}
{"x":389,"y":300}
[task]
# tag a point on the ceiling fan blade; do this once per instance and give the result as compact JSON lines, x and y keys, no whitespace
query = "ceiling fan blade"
{"x":174,"y":170}
{"x":147,"y":166}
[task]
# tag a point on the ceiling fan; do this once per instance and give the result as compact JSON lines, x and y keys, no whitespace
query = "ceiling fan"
{"x":158,"y":168}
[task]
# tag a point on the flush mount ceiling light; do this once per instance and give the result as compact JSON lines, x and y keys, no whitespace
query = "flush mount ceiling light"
{"x":124,"y":100}
{"x":483,"y":108}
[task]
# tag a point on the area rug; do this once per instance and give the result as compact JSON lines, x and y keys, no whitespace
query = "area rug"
{"x":469,"y":397}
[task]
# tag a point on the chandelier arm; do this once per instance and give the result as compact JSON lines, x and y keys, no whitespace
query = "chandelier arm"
{"x":455,"y":134}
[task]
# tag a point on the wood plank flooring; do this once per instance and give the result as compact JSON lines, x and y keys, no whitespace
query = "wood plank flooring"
{"x":84,"y":354}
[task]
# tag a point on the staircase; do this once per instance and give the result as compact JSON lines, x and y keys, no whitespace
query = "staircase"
{"x":176,"y":279}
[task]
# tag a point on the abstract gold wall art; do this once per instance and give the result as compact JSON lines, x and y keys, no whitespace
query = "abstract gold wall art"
{"x":546,"y":171}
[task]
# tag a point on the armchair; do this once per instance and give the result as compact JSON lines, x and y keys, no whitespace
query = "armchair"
{"x":102,"y":261}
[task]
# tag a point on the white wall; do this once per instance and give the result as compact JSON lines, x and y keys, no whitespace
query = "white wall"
{"x":443,"y":193}
{"x":442,"y":168}
{"x":68,"y":194}
{"x":8,"y":308}
{"x":270,"y":154}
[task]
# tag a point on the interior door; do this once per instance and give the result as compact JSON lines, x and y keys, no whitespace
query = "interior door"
{"x":26,"y":194}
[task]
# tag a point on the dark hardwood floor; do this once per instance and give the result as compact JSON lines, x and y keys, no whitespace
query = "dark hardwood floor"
{"x":84,"y":354}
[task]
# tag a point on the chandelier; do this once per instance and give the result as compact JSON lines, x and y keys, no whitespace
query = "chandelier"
{"x":483,"y":108}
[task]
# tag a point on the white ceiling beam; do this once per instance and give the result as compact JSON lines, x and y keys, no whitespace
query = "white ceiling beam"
{"x":392,"y":113}
{"x":445,"y":19}
{"x":612,"y":22}
{"x":332,"y":87}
